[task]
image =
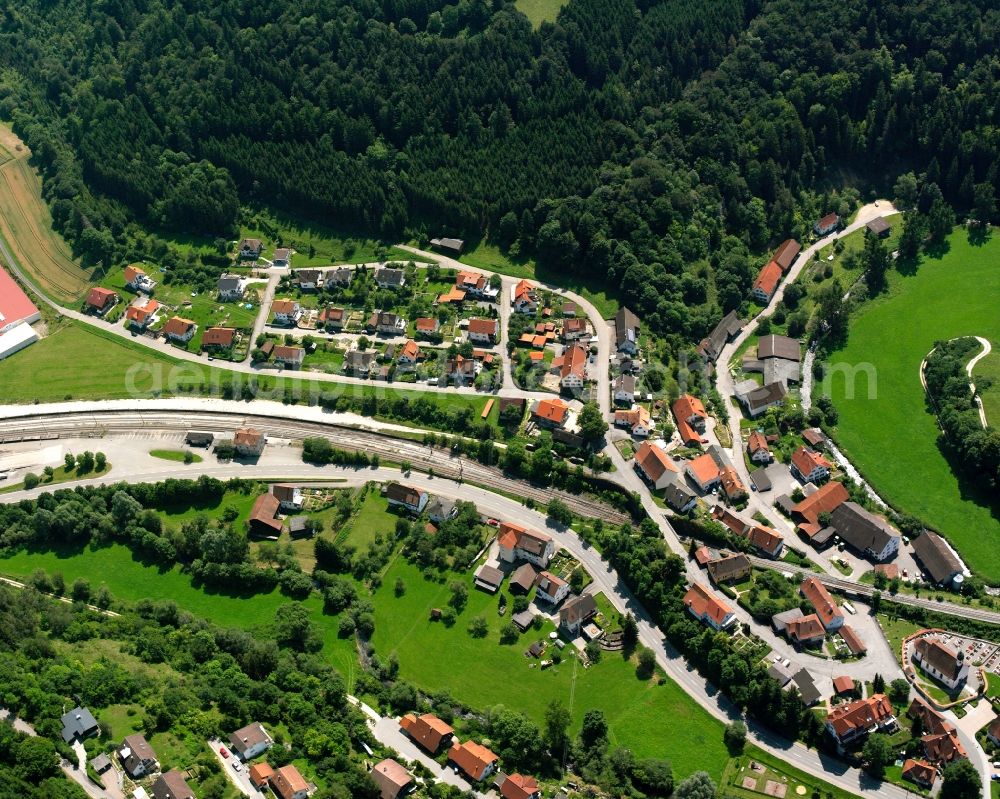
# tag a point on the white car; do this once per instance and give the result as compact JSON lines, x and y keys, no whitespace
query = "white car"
{"x":237,"y":766}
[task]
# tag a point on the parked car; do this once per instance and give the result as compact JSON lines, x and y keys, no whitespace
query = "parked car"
{"x":237,"y":766}
{"x":223,"y":751}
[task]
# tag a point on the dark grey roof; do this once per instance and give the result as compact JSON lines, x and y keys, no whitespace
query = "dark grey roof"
{"x":101,"y":763}
{"x":626,"y":327}
{"x":936,"y":556}
{"x":229,"y":282}
{"x":394,"y":277}
{"x":78,"y":723}
{"x":441,"y":507}
{"x":489,"y":575}
{"x":775,"y":346}
{"x":568,"y":438}
{"x":448,"y":244}
{"x":357,"y":358}
{"x":761,"y":479}
{"x":298,"y":524}
{"x":712,"y":345}
{"x":577,"y":609}
{"x":524,"y":619}
{"x":879,"y":225}
{"x":778,"y":672}
{"x":807,"y":687}
{"x":625,"y":383}
{"x":764,"y":396}
{"x":780,"y":620}
{"x":864,"y":531}
{"x":678,"y":495}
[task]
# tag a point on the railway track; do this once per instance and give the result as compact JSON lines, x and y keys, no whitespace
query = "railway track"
{"x":863,"y":591}
{"x":91,"y":425}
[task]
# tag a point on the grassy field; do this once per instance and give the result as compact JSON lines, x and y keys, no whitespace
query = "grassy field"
{"x":371,"y":519}
{"x":489,"y":257}
{"x":895,"y":631}
{"x":483,"y":673}
{"x":178,"y":455}
{"x":987,"y":371}
{"x":774,"y":769}
{"x":887,"y":431}
{"x":59,"y":475}
{"x":539,"y":11}
{"x":26,"y":226}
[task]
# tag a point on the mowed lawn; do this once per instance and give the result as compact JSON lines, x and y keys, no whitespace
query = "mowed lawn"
{"x":891,"y":436}
{"x":372,"y":518}
{"x":988,"y":370}
{"x":482,"y":673}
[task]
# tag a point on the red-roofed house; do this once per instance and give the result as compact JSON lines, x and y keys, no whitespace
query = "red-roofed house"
{"x":654,"y":465}
{"x":392,"y":779}
{"x":843,"y":684}
{"x":517,"y":786}
{"x":288,"y":783}
{"x":690,"y":415}
{"x":757,"y":448}
{"x":142,"y":316}
{"x":809,"y":466}
{"x":427,"y":730}
{"x":827,"y":224}
{"x":854,"y":720}
{"x":705,"y":472}
{"x":520,"y":543}
{"x":806,"y":630}
{"x":474,"y":759}
{"x":179,"y":329}
{"x":816,"y":594}
{"x":827,"y":499}
{"x":409,"y":353}
{"x":919,"y":772}
{"x":766,"y":283}
{"x":551,"y":588}
{"x":549,"y":412}
{"x":637,"y":421}
{"x":218,"y":338}
{"x":99,"y":300}
{"x":483,"y":331}
{"x":572,"y":367}
{"x":708,"y":608}
{"x":766,"y":540}
{"x":426,"y":325}
{"x":524,"y":298}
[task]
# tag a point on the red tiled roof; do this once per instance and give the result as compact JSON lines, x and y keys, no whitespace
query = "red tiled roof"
{"x":703,"y":603}
{"x":132,"y":272}
{"x":176,"y":326}
{"x":410,"y":350}
{"x":756,"y":442}
{"x":805,"y":460}
{"x":483,"y":327}
{"x":287,"y":781}
{"x":574,"y":362}
{"x":517,"y":786}
{"x":853,"y":640}
{"x":825,"y":500}
{"x":472,"y":758}
{"x":218,"y":336}
{"x":427,"y":730}
{"x":141,"y":315}
{"x":862,"y":714}
{"x":765,"y":538}
{"x":283,"y":306}
{"x":391,"y":778}
{"x":704,"y":468}
{"x":919,"y":771}
{"x":817,"y":595}
{"x":99,"y":297}
{"x":843,"y":684}
{"x":426,"y":324}
{"x":453,"y":294}
{"x":805,"y":628}
{"x":768,"y":279}
{"x":731,"y":482}
{"x":552,"y":410}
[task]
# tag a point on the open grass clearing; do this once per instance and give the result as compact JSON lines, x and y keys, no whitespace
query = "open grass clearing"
{"x":177,"y":455}
{"x":896,"y":630}
{"x":986,"y":375}
{"x":539,"y":11}
{"x":483,"y":673}
{"x":887,"y":431}
{"x":59,"y":475}
{"x":372,"y":519}
{"x":26,"y":226}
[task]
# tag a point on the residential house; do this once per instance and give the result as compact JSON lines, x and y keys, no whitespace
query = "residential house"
{"x":462,"y":370}
{"x":704,"y":472}
{"x":282,"y":259}
{"x":263,"y":519}
{"x":489,"y":578}
{"x":865,"y":532}
{"x":627,"y":331}
{"x":427,"y":730}
{"x":814,"y":438}
{"x":809,"y":466}
{"x":260,"y":775}
{"x":827,"y":224}
{"x":624,"y":390}
{"x":728,"y":569}
{"x":637,"y":421}
{"x":517,"y":786}
{"x":879,"y":227}
{"x":452,"y":247}
{"x":757,"y":400}
{"x":655,"y":466}
{"x":549,"y":412}
{"x":708,"y":608}
{"x":78,"y":724}
{"x":218,"y":338}
{"x":409,"y":354}
{"x":940,"y":739}
{"x":231,"y":287}
{"x":250,"y":741}
{"x":392,"y":779}
{"x":766,"y":541}
{"x":310,"y":279}
{"x":809,"y":692}
{"x":332,"y":318}
{"x":691,"y":416}
{"x":292,"y":357}
{"x":358,"y":363}
{"x":919,"y":772}
{"x":843,"y":685}
{"x":728,"y":328}
{"x":426,"y":326}
{"x":288,"y":783}
{"x":289,"y":496}
{"x":786,"y":254}
{"x":472,"y":283}
{"x":806,"y":630}
{"x":520,"y":543}
{"x":100,"y":763}
{"x":387,"y":323}
{"x":142,"y":314}
{"x":524,"y":297}
{"x":937,"y":558}
{"x":577,"y":611}
{"x":551,"y":588}
{"x":569,"y":309}
{"x":341,"y":276}
{"x":402,"y":496}
{"x":993,"y":731}
{"x":137,"y":279}
{"x":816,"y":595}
{"x":286,"y":312}
{"x":250,"y":249}
{"x":574,"y":329}
{"x":171,"y":785}
{"x":757,"y":448}
{"x":825,"y":500}
{"x":441,"y":509}
{"x":137,"y":757}
{"x":475,"y":760}
{"x":572,"y":366}
{"x":101,"y":300}
{"x":766,"y":283}
{"x":388,"y":278}
{"x":731,"y":484}
{"x":679,"y":497}
{"x":852,"y":721}
{"x":941,"y":662}
{"x":483,"y":331}
{"x":249,"y":443}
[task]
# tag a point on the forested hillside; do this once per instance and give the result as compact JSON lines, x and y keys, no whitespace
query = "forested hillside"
{"x":660,"y":145}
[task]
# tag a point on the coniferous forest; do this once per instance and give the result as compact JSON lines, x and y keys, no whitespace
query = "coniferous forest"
{"x":659,"y":146}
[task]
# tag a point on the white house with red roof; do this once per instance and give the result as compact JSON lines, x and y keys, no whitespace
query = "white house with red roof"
{"x":520,"y":543}
{"x":708,"y":608}
{"x":654,"y":465}
{"x":809,"y":466}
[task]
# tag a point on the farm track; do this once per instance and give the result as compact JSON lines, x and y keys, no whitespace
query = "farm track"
{"x":75,"y":425}
{"x":57,"y":272}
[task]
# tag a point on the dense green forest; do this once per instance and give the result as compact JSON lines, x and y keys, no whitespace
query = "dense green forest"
{"x":660,"y":146}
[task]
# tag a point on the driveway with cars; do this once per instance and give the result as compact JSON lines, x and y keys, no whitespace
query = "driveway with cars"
{"x":237,"y":776}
